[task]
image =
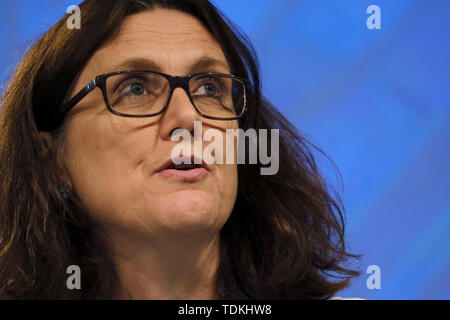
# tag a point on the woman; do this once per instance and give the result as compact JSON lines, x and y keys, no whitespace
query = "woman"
{"x":87,"y":178}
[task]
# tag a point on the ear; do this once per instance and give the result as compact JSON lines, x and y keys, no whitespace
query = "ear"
{"x":48,"y":147}
{"x":47,"y":140}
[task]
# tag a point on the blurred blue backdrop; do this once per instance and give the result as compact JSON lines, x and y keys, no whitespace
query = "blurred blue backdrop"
{"x":376,"y":101}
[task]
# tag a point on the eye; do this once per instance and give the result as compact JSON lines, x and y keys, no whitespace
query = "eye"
{"x":134,"y":89}
{"x":207,"y":89}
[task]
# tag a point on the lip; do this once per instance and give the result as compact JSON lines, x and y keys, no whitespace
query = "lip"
{"x":184,"y":175}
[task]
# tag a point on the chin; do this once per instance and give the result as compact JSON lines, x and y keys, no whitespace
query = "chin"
{"x":191,"y":211}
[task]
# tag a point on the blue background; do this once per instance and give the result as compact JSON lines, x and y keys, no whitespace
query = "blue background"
{"x":376,"y":101}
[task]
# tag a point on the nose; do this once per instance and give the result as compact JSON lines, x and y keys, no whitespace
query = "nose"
{"x":180,"y":113}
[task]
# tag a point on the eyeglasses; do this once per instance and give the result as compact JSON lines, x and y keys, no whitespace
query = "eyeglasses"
{"x":147,"y":93}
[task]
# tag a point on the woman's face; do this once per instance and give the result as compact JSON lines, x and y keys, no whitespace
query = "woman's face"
{"x":112,"y":161}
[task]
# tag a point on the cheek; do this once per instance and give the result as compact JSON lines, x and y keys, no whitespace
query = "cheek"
{"x":103,"y":169}
{"x":228,"y":169}
{"x":227,"y":184}
{"x":227,"y":190}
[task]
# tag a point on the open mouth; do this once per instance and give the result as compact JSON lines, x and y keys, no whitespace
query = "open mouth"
{"x":183,"y":166}
{"x":187,"y":163}
{"x":193,"y":171}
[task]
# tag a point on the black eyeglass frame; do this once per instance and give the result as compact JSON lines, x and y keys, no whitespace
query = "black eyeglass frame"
{"x":174,"y":82}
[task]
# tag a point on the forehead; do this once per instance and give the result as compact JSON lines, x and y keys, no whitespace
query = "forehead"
{"x":171,"y":39}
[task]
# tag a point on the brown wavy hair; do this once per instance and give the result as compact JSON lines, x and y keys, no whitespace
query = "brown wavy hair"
{"x":283,"y":240}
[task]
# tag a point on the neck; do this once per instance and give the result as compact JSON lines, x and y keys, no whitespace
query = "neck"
{"x":172,"y":269}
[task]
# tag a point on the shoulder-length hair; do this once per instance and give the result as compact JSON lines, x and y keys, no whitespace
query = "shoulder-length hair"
{"x":283,"y":240}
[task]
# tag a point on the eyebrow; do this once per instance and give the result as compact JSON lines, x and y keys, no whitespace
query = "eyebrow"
{"x":204,"y":63}
{"x":201,"y":65}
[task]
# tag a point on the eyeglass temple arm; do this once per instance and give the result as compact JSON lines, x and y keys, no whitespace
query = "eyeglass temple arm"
{"x":77,"y":98}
